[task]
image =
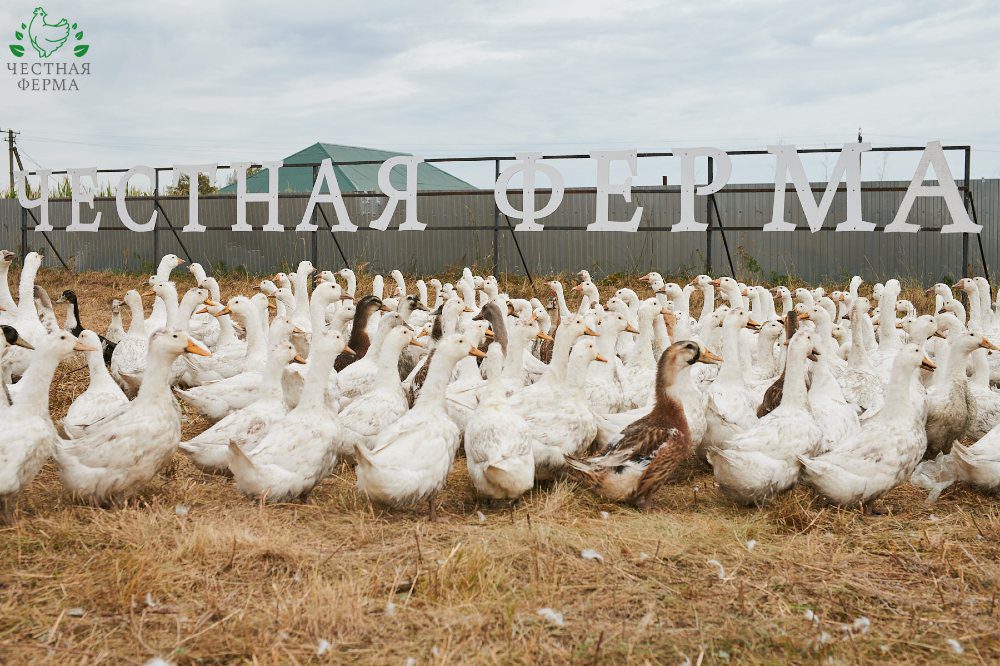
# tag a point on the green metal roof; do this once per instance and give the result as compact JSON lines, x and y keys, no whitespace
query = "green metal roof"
{"x":351,"y":178}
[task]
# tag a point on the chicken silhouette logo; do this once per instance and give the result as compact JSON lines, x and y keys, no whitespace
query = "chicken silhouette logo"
{"x":46,"y":36}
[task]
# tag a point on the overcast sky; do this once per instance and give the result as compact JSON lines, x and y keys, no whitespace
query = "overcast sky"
{"x":182,"y":82}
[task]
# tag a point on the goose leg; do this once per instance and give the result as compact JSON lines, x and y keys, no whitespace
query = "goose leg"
{"x":431,"y":507}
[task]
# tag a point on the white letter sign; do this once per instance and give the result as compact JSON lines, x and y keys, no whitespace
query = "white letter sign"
{"x":192,"y":171}
{"x":605,"y":189}
{"x":81,"y":196}
{"x":270,"y":197}
{"x":123,"y":213}
{"x":41,"y":203}
{"x":723,"y":170}
{"x":933,"y":155}
{"x":326,"y":174}
{"x":528,"y":164}
{"x":789,"y":164}
{"x":408,"y":195}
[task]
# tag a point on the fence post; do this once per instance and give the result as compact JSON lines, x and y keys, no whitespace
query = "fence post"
{"x":156,"y":207}
{"x":708,"y":219}
{"x":966,"y":268}
{"x":315,"y":222}
{"x":496,"y":222}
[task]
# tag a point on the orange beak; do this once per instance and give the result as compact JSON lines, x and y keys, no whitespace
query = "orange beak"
{"x":298,"y":359}
{"x":349,"y":351}
{"x":473,"y":351}
{"x":223,"y":311}
{"x":193,"y":347}
{"x":629,"y":328}
{"x":708,"y":357}
{"x":544,"y":336}
{"x":591,"y":332}
{"x":600,"y":358}
{"x":83,"y":347}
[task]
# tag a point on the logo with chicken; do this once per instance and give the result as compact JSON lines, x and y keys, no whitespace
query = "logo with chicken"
{"x":46,"y":36}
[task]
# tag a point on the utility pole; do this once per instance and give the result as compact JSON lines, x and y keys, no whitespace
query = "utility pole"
{"x":10,"y":156}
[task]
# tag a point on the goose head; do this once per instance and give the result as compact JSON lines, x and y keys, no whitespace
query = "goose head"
{"x":282,"y":280}
{"x":781,"y":291}
{"x":6,"y":257}
{"x":325,"y":346}
{"x":920,"y":329}
{"x":583,"y":354}
{"x":240,"y":307}
{"x":133,"y":299}
{"x":614,"y":323}
{"x":477,"y":331}
{"x":325,"y":293}
{"x":771,"y":329}
{"x":583,"y":276}
{"x":282,"y":353}
{"x":11,"y":338}
{"x":411,"y":304}
{"x":326,"y":276}
{"x":342,"y":315}
{"x":454,"y":347}
{"x":654,"y":279}
{"x":268,"y":287}
{"x":68,"y":296}
{"x":305,"y":269}
{"x":280,"y":330}
{"x":167,"y":264}
{"x":171,"y":343}
{"x":688,"y":352}
{"x":803,"y":295}
{"x":967,"y":342}
{"x":911,"y":357}
{"x":198,"y":272}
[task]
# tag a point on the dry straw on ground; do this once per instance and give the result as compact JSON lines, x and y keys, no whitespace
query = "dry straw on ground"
{"x":195,"y":573}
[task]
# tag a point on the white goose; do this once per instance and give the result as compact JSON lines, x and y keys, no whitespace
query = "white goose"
{"x":129,"y":356}
{"x":300,"y":449}
{"x":102,"y":397}
{"x":884,"y":453}
{"x":31,"y":437}
{"x":209,"y":450}
{"x":762,"y":461}
{"x":118,"y":456}
{"x":364,"y":418}
{"x":410,"y":459}
{"x":498,"y":442}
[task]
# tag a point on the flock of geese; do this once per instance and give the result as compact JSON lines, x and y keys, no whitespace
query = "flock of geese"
{"x":844,"y":393}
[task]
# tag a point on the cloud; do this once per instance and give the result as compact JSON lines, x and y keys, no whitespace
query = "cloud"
{"x":188,"y":81}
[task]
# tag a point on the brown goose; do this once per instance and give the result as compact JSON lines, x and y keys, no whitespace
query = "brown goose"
{"x":437,"y":332}
{"x":545,"y":350}
{"x":772,"y":396}
{"x":359,"y":340}
{"x":652,"y":448}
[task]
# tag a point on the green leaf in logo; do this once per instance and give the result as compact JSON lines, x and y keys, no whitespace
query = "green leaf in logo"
{"x":17,"y":50}
{"x":19,"y":36}
{"x":79,"y":50}
{"x":74,"y":26}
{"x":79,"y":35}
{"x":23,"y":27}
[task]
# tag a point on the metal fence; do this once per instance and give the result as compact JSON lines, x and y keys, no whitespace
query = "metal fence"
{"x":471,"y":231}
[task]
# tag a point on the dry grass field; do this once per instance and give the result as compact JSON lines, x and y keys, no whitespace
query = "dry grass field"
{"x":194,"y":573}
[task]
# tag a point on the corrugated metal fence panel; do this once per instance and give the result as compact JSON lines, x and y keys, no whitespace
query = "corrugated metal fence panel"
{"x":926,"y":256}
